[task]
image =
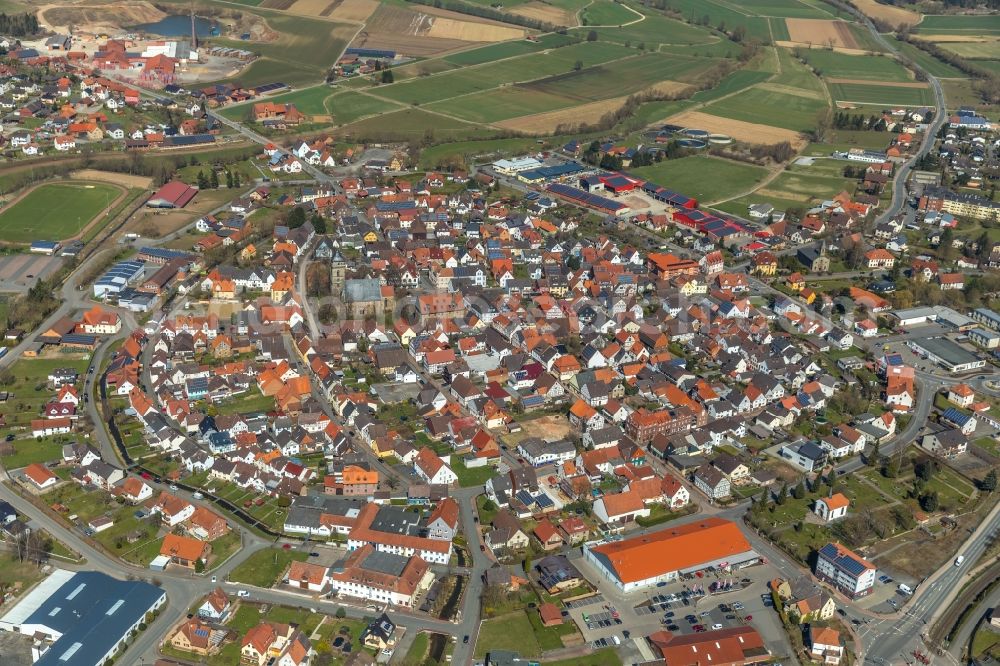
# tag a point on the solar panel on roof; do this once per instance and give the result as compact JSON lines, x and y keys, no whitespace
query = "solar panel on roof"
{"x":524,"y":497}
{"x":543,"y":501}
{"x":268,"y":87}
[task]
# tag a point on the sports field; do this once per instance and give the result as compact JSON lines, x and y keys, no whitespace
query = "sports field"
{"x":838,"y":65}
{"x":55,"y":211}
{"x":705,"y":178}
{"x":766,"y":107}
{"x":876,"y":94}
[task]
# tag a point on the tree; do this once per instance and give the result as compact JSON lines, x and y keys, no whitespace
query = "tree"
{"x":319,"y":223}
{"x":229,"y":179}
{"x":930,"y":501}
{"x":236,"y":179}
{"x":782,"y":494}
{"x":925,"y":469}
{"x":341,"y":613}
{"x":874,"y":458}
{"x":592,"y":36}
{"x":578,"y":65}
{"x":202,"y":180}
{"x":945,"y":249}
{"x":296,"y":218}
{"x":214,"y":179}
{"x":799,"y":491}
{"x":199,"y":566}
{"x":388,"y":76}
{"x":989,"y":482}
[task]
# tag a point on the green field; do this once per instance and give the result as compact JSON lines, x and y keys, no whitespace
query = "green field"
{"x":436,"y":156}
{"x":606,"y":12}
{"x":876,"y":94}
{"x":350,"y":106}
{"x":932,"y":65}
{"x":308,"y":100}
{"x":656,"y":29}
{"x":413,"y":123}
{"x":959,"y":25}
{"x":501,"y":104}
{"x":54,"y":211}
{"x":720,"y":13}
{"x":486,"y":77}
{"x":510,"y":49}
{"x":618,"y":78}
{"x":738,"y":80}
{"x":782,"y":9}
{"x":973,"y":50}
{"x":840,"y":66}
{"x":779,"y":30}
{"x":770,"y":108}
{"x":795,"y":74}
{"x":705,"y":178}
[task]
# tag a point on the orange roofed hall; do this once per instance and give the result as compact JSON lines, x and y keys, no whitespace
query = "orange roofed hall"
{"x":648,"y":559}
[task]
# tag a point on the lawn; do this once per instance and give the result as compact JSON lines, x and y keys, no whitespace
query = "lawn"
{"x":476,"y":476}
{"x":508,"y":632}
{"x":28,"y":451}
{"x":767,"y":107}
{"x":16,"y":573}
{"x":248,"y":403}
{"x":29,"y":390}
{"x":832,"y":64}
{"x":54,"y":211}
{"x":876,"y":94}
{"x":265,"y":567}
{"x":418,"y":649}
{"x":605,"y":12}
{"x":308,"y":100}
{"x":485,"y":515}
{"x":705,"y":178}
{"x":805,"y":187}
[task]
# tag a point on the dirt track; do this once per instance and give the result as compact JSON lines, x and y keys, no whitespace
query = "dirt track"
{"x":125,"y":179}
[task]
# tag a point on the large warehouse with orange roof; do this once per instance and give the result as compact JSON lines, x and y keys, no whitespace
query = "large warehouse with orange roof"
{"x":647,"y":559}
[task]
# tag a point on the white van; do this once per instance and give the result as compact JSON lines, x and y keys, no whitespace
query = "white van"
{"x":617,"y":640}
{"x":959,"y":560}
{"x":905,"y":589}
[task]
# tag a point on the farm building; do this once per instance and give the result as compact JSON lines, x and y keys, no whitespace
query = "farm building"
{"x":516,"y":166}
{"x":668,"y":196}
{"x":582,"y":198}
{"x":174,"y":194}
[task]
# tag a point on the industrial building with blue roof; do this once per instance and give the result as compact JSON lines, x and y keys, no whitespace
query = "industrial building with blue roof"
{"x":82,"y":618}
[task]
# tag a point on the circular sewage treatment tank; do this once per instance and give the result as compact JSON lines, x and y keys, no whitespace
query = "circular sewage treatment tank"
{"x":720,"y":139}
{"x":692,"y":143}
{"x":695,"y":133}
{"x":671,"y":129}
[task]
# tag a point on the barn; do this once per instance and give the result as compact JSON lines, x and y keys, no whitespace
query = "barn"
{"x":174,"y":194}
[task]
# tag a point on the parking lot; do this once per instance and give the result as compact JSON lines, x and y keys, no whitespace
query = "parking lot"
{"x":672,"y":607}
